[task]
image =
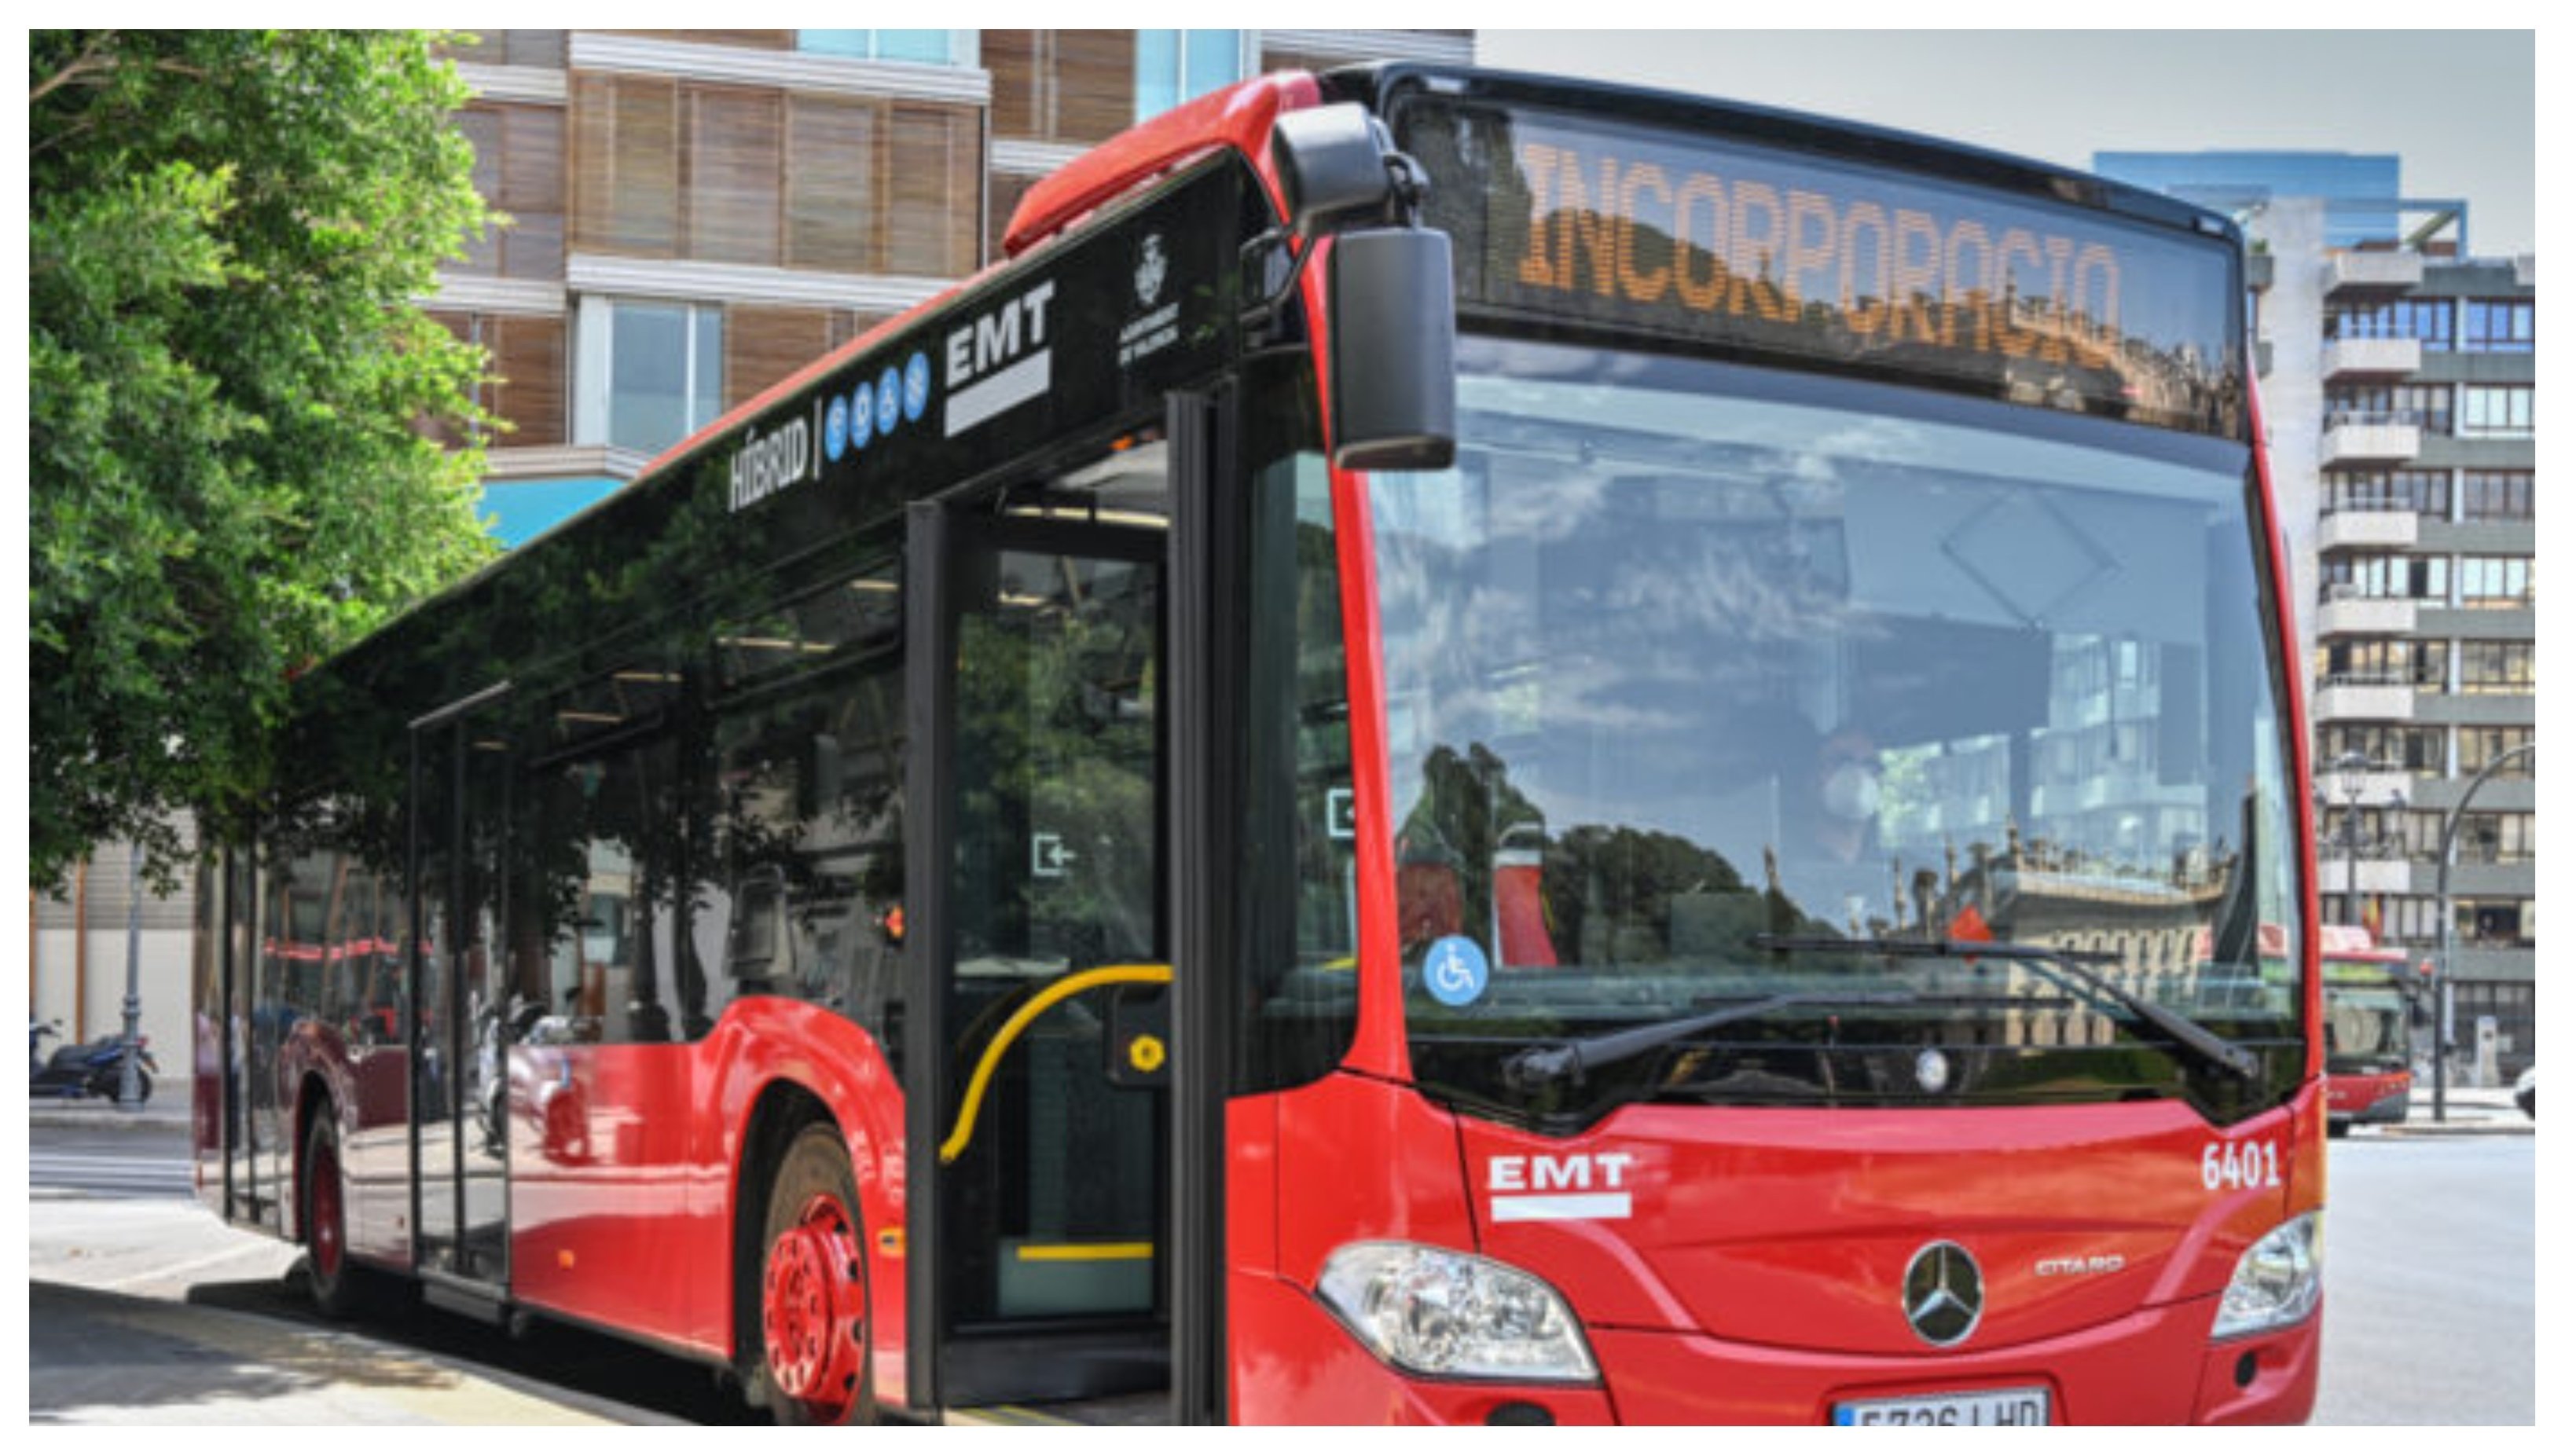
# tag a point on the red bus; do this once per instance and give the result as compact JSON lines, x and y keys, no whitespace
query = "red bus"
{"x":2370,"y":1001}
{"x":1467,"y":749}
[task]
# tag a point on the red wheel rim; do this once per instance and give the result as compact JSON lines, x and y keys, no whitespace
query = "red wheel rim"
{"x":814,"y":1309}
{"x":328,"y":1236}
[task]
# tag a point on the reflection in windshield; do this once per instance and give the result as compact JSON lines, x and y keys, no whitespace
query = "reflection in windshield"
{"x":1681,"y":656}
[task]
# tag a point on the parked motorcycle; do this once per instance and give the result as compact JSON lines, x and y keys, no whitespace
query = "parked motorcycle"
{"x":90,"y":1070}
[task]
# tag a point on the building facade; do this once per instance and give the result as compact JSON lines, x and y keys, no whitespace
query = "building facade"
{"x":2398,"y":381}
{"x":696,"y":214}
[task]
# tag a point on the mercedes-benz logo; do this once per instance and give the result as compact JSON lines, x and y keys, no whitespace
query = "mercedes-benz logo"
{"x":1945,"y":1293}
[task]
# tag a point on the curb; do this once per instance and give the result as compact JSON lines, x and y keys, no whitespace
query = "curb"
{"x":86,"y":1113}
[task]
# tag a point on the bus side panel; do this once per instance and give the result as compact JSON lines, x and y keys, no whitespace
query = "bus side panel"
{"x":374,"y":1151}
{"x":1363,"y":1159}
{"x":625,"y":1161}
{"x":608,"y":1220}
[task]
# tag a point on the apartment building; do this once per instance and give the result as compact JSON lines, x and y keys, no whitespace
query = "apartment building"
{"x":2398,"y":379}
{"x":696,"y":214}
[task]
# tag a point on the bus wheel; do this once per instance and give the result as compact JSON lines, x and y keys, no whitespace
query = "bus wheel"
{"x":813,"y":1299}
{"x":333,"y":1283}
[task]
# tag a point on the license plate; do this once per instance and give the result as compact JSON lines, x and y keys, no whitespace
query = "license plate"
{"x":1964,"y":1408}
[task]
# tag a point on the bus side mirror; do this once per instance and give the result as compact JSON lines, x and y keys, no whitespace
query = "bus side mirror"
{"x":1389,"y":327}
{"x":1329,"y":162}
{"x":1389,"y":287}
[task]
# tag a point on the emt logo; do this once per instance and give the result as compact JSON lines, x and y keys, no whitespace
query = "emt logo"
{"x":1546,"y":1187}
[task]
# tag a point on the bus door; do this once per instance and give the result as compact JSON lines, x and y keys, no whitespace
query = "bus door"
{"x":1037,"y":1057}
{"x":459,"y":777}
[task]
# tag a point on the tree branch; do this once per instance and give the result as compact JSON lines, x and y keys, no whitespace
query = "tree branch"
{"x":87,"y":61}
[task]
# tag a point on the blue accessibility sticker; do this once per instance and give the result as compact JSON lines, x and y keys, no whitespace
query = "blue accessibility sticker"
{"x":1455,"y":970}
{"x":859,"y":416}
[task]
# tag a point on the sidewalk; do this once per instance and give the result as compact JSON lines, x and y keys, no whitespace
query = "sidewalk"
{"x":2472,"y":1111}
{"x":102,"y":1358}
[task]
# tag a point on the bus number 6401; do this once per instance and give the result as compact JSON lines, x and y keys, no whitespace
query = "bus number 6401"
{"x":2245,"y":1164}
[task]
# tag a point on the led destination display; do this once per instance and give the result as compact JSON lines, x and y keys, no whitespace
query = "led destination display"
{"x":1826,"y":260}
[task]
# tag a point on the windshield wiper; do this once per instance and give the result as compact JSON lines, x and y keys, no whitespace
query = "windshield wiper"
{"x":2068,"y":966}
{"x":1535,"y":1068}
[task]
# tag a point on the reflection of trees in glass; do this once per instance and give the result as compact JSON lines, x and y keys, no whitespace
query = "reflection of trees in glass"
{"x":1608,"y":893}
{"x":1056,"y":699}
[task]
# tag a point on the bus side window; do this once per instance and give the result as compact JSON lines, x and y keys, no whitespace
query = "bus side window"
{"x":805,"y":840}
{"x":608,"y":870}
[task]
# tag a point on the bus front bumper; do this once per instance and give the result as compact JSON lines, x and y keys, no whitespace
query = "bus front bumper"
{"x":2154,"y":1368}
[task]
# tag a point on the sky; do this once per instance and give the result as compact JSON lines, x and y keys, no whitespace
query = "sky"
{"x":2456,"y":105}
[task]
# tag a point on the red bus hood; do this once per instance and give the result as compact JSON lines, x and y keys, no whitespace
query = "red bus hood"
{"x":1797,"y":1227}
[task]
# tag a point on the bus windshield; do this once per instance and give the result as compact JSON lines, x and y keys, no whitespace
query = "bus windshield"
{"x":1935,"y":738}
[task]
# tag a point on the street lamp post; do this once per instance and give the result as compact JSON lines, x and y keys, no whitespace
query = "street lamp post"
{"x":2448,"y":1000}
{"x":129,"y":1088}
{"x":2350,"y":775}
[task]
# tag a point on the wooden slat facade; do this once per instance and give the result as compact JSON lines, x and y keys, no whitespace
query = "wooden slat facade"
{"x":636,"y":165}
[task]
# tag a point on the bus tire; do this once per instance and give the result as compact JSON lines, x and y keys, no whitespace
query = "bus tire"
{"x":336,"y":1285}
{"x":813,"y":1348}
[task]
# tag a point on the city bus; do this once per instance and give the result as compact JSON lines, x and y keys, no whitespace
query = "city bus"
{"x":1465,"y":749}
{"x":2369,"y":1003}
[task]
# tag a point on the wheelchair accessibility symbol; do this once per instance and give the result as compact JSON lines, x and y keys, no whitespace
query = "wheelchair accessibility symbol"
{"x":1455,"y":970}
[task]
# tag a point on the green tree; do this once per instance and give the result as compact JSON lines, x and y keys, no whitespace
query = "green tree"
{"x":234,"y":400}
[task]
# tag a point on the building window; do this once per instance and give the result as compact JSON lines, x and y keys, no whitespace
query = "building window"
{"x":1064,"y":86}
{"x":545,"y":48}
{"x":523,"y":387}
{"x":2495,"y":838}
{"x":2498,"y":580}
{"x":2499,"y":495}
{"x":2478,"y":747}
{"x":2427,"y":320}
{"x":2502,"y":326}
{"x":650,"y":373}
{"x":922,"y":47}
{"x":1176,"y":66}
{"x":2390,"y":747}
{"x":2387,"y":577}
{"x":2385,"y":662}
{"x":2500,"y":410}
{"x":2498,"y":667}
{"x":774,"y":179}
{"x":2494,"y":924}
{"x":2426,"y":405}
{"x":2424,"y":492}
{"x":516,"y":155}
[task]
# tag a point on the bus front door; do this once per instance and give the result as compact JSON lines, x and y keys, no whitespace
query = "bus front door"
{"x":1037,"y":913}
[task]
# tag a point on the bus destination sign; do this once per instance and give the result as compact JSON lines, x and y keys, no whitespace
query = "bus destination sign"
{"x":1830,"y":262}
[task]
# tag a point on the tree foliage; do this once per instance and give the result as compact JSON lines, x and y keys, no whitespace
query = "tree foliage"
{"x":229,"y":375}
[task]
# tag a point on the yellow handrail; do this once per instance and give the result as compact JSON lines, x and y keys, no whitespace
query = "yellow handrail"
{"x":1043,"y":1000}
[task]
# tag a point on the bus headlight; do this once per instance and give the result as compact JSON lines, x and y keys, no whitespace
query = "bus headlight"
{"x":2277,"y":1280}
{"x":1434,"y":1312}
